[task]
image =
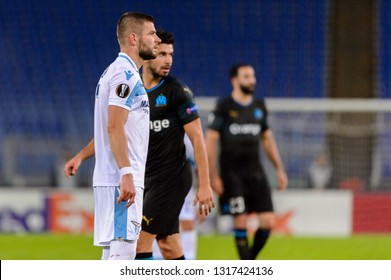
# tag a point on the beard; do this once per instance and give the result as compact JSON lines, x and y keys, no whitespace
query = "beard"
{"x":146,"y":53}
{"x":247,"y":90}
{"x":156,"y":74}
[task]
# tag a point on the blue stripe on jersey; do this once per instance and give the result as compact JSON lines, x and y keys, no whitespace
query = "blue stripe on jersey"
{"x":138,"y":90}
{"x":155,"y":87}
{"x":120,"y":217}
{"x":130,"y":61}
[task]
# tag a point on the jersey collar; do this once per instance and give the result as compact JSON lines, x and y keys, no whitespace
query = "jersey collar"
{"x":124,"y":55}
{"x":155,"y":87}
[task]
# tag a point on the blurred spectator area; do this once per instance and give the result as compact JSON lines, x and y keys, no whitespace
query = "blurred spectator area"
{"x":53,"y":52}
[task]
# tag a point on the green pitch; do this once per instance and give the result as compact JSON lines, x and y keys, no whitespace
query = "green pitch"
{"x":216,"y":247}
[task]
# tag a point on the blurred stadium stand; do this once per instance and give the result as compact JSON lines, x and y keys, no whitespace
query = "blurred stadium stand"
{"x":53,"y":53}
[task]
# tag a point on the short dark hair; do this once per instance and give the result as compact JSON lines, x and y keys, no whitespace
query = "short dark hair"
{"x":165,"y":37}
{"x":233,"y":71}
{"x":132,"y":20}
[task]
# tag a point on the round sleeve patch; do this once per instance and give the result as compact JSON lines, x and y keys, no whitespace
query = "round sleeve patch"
{"x":122,"y":90}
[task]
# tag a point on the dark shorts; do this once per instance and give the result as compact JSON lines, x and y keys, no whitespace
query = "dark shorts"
{"x":246,"y":190}
{"x":163,"y":199}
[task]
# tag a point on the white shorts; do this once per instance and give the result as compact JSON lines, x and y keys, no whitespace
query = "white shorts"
{"x":112,"y":220}
{"x":188,"y":211}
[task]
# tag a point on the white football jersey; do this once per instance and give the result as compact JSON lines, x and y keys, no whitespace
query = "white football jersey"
{"x":121,"y":85}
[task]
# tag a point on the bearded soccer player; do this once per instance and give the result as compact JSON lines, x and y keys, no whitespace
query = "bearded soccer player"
{"x":239,"y":124}
{"x":121,"y":133}
{"x":168,"y":176}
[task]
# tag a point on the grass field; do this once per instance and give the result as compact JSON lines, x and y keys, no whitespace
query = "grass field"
{"x":215,"y":247}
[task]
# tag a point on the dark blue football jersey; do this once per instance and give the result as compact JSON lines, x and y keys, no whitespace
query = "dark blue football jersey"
{"x":172,"y":106}
{"x":240,"y":128}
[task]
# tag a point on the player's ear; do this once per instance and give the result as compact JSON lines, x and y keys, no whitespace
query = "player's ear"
{"x":132,"y":39}
{"x":233,"y":81}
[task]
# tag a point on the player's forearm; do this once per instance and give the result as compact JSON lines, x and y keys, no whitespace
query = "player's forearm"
{"x":211,"y":145}
{"x":88,"y":151}
{"x":212,"y":164}
{"x":271,"y":149}
{"x":201,"y":160}
{"x":119,"y":145}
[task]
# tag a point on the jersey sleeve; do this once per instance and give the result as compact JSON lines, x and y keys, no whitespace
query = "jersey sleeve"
{"x":124,"y":86}
{"x":264,"y":125}
{"x":186,"y":106}
{"x":215,"y":118}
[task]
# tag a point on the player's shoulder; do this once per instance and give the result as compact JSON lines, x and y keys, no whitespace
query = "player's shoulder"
{"x":178,"y":88}
{"x":173,"y":80}
{"x":124,"y":67}
{"x":224,"y":102}
{"x":175,"y":83}
{"x":259,"y":102}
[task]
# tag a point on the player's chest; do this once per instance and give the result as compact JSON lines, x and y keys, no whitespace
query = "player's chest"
{"x":244,"y":115}
{"x":243,"y":124}
{"x":161,"y":105}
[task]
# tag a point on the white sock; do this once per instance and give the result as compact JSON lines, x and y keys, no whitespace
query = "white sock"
{"x":157,"y":254}
{"x":189,"y":244}
{"x":105,"y":252}
{"x":122,"y":250}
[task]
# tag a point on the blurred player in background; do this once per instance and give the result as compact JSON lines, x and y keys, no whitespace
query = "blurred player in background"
{"x":168,"y":173}
{"x":120,"y":144}
{"x":188,"y":215}
{"x":239,"y":124}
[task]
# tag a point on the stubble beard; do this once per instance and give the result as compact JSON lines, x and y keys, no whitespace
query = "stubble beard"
{"x":247,"y":90}
{"x":145,"y":53}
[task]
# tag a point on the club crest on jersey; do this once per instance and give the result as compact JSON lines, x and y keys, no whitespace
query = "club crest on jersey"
{"x":161,"y":100}
{"x":122,"y":90}
{"x":258,"y":113}
{"x":137,"y":227}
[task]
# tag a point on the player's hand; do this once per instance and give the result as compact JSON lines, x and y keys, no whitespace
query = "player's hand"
{"x":282,"y":179}
{"x":72,"y":166}
{"x":205,"y":200}
{"x":127,"y":190}
{"x":217,"y":185}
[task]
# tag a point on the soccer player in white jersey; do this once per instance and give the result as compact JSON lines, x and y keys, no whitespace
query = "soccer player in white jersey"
{"x":120,"y":144}
{"x":168,"y":175}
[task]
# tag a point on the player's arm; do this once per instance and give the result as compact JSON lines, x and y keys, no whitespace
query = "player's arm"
{"x":212,"y":138}
{"x":117,"y":117}
{"x":270,"y":146}
{"x":73,"y":164}
{"x":204,"y":196}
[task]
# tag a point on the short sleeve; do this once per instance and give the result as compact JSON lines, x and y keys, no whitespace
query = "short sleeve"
{"x":264,"y":124}
{"x":215,"y":119}
{"x":186,"y":106}
{"x":124,"y":87}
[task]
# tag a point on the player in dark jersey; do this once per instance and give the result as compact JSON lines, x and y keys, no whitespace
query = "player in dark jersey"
{"x":168,"y":176}
{"x":239,"y":124}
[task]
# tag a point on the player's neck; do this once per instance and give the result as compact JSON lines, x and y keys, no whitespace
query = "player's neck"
{"x":150,"y":80}
{"x":241,"y":98}
{"x":135,"y":57}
